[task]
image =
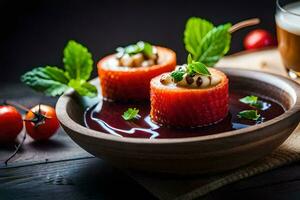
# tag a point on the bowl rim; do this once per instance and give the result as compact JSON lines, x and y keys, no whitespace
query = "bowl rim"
{"x":68,"y":122}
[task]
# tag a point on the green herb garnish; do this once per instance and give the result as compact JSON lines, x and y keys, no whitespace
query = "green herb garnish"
{"x":131,"y":113}
{"x":192,"y":68}
{"x":177,"y":75}
{"x":54,"y":81}
{"x":140,"y":47}
{"x":205,"y":42}
{"x":249,"y":99}
{"x":249,"y":114}
{"x":252,"y":101}
{"x":259,"y":105}
{"x":197,"y":68}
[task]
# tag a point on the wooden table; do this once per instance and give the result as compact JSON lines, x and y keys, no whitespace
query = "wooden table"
{"x":59,"y":169}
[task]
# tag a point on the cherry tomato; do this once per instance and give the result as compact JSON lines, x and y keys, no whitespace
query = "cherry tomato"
{"x":259,"y":38}
{"x":11,"y":124}
{"x":41,"y":122}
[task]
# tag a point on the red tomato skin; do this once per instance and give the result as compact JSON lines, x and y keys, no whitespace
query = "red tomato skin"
{"x":172,"y":106}
{"x":259,"y":38}
{"x":11,"y":124}
{"x":45,"y":130}
{"x":133,"y":84}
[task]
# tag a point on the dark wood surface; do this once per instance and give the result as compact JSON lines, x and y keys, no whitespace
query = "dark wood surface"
{"x":59,"y":169}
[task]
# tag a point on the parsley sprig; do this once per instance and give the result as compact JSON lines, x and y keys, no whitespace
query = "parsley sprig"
{"x":192,"y":68}
{"x":177,"y":75}
{"x":195,"y":67}
{"x":130,"y":114}
{"x":252,"y":101}
{"x":140,"y":47}
{"x":54,"y":81}
{"x":205,"y":42}
{"x":249,"y":114}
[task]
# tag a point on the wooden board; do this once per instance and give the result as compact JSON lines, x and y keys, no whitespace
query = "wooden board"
{"x":267,"y":60}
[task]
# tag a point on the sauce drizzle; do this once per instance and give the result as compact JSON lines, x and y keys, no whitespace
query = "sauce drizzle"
{"x":106,"y":117}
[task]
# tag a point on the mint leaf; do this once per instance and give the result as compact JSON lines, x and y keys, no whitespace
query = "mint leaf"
{"x":198,"y":68}
{"x":195,"y":30}
{"x":83,"y":88}
{"x":78,"y":61}
{"x":49,"y":80}
{"x":249,"y":114}
{"x":189,"y":59}
{"x":54,"y":81}
{"x":131,"y":113}
{"x":214,"y":45}
{"x":249,"y":99}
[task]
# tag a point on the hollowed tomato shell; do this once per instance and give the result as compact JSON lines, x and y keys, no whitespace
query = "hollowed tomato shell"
{"x":125,"y":84}
{"x":189,"y":107}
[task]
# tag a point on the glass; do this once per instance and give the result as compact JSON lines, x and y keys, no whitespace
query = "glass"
{"x":288,"y":33}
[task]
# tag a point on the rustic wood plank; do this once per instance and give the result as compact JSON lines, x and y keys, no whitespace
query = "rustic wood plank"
{"x":91,"y":178}
{"x":82,"y":179}
{"x":267,"y":60}
{"x":60,"y":147}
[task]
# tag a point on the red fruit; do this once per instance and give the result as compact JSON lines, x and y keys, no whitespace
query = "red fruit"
{"x":189,"y":107}
{"x":259,"y":38}
{"x":133,"y":84}
{"x":41,"y":122}
{"x":11,"y":124}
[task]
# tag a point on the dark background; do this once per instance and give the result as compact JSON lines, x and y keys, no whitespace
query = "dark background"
{"x":34,"y":32}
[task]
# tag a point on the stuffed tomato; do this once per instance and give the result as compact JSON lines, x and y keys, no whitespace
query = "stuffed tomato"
{"x":126,"y":75}
{"x":185,"y":98}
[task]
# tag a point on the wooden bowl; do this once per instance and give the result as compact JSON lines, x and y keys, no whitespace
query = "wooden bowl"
{"x":194,"y":155}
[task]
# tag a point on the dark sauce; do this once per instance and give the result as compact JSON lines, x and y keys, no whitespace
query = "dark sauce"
{"x":107,"y":117}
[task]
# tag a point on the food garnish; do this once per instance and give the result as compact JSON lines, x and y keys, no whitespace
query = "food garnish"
{"x":193,"y":74}
{"x":141,"y":54}
{"x":192,"y":68}
{"x":131,"y":113}
{"x":249,"y":114}
{"x":249,"y":99}
{"x":177,"y":75}
{"x":253,"y":101}
{"x":205,"y":42}
{"x":54,"y":81}
{"x":140,"y":47}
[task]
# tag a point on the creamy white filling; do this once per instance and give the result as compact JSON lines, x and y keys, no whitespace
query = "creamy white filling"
{"x":195,"y":81}
{"x":136,"y":60}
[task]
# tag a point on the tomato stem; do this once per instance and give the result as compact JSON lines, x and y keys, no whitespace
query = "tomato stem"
{"x":17,"y":149}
